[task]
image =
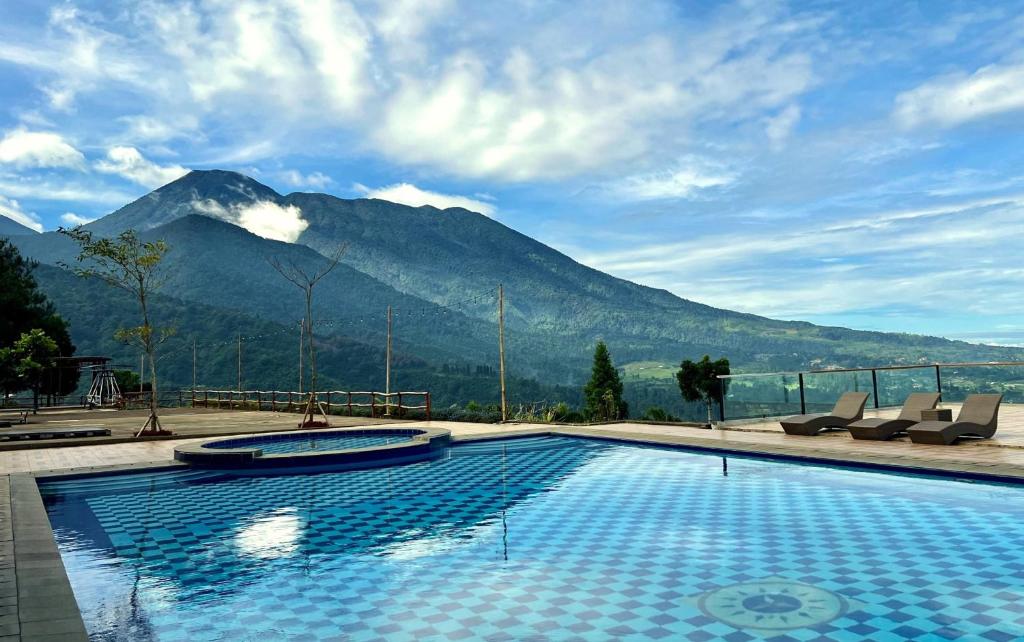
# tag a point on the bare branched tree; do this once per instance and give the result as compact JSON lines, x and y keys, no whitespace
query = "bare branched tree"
{"x":306,"y":280}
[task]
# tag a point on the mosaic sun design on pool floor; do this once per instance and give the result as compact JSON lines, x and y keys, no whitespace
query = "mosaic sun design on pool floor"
{"x":772,"y":605}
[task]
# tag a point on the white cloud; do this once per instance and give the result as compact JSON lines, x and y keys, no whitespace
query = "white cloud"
{"x":959,"y":98}
{"x":12,"y":210}
{"x":521,"y":92}
{"x":25,"y":149}
{"x":262,"y":218}
{"x":272,"y":221}
{"x":70,"y":218}
{"x":294,"y":53}
{"x":317,"y":180}
{"x":686,"y":179}
{"x":780,"y":126}
{"x":927,"y":258}
{"x":409,"y":194}
{"x":147,"y":129}
{"x":130,"y":163}
{"x":59,"y":189}
{"x":525,"y":116}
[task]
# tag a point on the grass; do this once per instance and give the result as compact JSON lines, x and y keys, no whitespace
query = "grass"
{"x":649,"y":370}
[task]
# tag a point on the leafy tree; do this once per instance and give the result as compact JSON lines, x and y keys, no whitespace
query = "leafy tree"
{"x":10,"y":382}
{"x":27,"y":362}
{"x":26,"y":308}
{"x":127,"y":381}
{"x":603,"y":392}
{"x":698,"y":381}
{"x":132,"y":265}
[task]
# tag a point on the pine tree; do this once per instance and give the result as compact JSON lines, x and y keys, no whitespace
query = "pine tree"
{"x":604,"y":390}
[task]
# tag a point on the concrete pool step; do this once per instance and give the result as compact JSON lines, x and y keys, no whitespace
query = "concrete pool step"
{"x":54,"y":433}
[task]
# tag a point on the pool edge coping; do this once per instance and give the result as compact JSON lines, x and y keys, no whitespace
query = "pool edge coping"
{"x":199,"y":455}
{"x":46,"y":605}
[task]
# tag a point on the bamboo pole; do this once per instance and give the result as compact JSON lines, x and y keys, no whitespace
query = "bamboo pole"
{"x":239,"y":363}
{"x":387,"y":369}
{"x":302,"y":327}
{"x":501,"y":349}
{"x":193,"y":372}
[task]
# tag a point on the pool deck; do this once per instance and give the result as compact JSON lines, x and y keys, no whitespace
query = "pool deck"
{"x":36,"y":602}
{"x":1000,"y":456}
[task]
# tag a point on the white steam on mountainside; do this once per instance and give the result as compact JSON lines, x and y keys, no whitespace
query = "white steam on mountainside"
{"x":262,"y":218}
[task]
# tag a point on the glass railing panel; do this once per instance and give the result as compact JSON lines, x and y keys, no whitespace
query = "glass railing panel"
{"x":895,"y":385}
{"x":752,"y":396}
{"x":960,"y":381}
{"x":823,"y":389}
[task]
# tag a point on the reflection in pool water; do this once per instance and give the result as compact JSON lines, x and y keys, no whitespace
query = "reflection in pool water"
{"x":272,"y":535}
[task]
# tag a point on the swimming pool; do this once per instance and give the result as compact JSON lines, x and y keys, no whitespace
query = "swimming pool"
{"x":548,"y":539}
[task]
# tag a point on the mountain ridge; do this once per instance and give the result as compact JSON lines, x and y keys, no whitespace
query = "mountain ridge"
{"x":10,"y":227}
{"x":440,"y":270}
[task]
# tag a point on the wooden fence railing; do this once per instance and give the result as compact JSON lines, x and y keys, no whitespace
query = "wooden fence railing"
{"x":380,"y":404}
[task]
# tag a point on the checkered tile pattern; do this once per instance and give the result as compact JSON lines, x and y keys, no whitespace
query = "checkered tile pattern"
{"x":542,"y":539}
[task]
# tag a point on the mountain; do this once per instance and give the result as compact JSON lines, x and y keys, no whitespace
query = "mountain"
{"x":448,"y":256}
{"x":10,"y":227}
{"x":440,"y":269}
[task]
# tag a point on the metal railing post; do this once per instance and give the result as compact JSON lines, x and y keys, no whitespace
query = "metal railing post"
{"x":721,"y":399}
{"x":874,"y":386}
{"x":803,"y":403}
{"x":938,"y":381}
{"x":349,"y":404}
{"x":428,"y":406}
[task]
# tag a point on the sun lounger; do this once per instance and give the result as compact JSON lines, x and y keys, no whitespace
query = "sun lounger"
{"x":977,"y":418}
{"x":880,"y":429}
{"x":848,"y":409}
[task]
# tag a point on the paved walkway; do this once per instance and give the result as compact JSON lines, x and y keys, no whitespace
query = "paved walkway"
{"x":1002,"y":456}
{"x":184,"y":422}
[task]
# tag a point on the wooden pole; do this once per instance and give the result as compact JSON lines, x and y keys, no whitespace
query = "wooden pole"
{"x":387,"y":369}
{"x":239,"y":363}
{"x":501,"y":349}
{"x":193,"y":372}
{"x":302,"y":327}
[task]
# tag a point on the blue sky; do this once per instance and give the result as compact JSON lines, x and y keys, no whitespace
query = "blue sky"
{"x":856,"y":164}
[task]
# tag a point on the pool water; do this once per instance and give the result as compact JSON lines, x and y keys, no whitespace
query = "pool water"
{"x":545,"y":539}
{"x":292,"y":443}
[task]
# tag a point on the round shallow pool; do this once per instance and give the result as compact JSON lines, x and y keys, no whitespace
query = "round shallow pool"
{"x":312,"y":442}
{"x":359,"y":447}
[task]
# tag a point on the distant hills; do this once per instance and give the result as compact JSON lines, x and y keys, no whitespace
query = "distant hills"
{"x":440,"y":269}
